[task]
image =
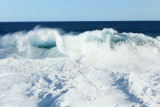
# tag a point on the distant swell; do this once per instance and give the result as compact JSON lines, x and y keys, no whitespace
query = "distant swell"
{"x":45,"y":42}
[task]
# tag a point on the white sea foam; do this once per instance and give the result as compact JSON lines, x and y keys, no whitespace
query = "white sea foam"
{"x":45,"y":67}
{"x":43,"y":39}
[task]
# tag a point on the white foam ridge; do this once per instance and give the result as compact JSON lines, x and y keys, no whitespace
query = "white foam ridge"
{"x":102,"y":68}
{"x":45,"y":42}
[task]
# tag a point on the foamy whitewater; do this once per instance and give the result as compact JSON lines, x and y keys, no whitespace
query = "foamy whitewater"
{"x":101,"y":68}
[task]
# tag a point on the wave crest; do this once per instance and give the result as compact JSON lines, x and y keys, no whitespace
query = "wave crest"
{"x":45,"y":42}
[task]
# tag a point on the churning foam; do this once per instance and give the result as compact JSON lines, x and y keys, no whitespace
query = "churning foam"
{"x":92,"y":69}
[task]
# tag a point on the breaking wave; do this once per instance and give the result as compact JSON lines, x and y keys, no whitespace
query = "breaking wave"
{"x":94,"y":68}
{"x":46,"y":42}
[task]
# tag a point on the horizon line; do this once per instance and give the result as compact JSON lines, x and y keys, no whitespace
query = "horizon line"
{"x":84,"y":21}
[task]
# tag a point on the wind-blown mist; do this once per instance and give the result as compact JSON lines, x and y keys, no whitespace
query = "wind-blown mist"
{"x":47,"y":67}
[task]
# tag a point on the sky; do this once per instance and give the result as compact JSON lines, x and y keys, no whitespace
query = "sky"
{"x":79,"y":10}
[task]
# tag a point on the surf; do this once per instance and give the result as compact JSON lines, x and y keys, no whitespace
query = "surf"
{"x":48,"y":67}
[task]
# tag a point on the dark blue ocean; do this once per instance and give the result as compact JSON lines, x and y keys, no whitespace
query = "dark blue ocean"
{"x":149,"y":28}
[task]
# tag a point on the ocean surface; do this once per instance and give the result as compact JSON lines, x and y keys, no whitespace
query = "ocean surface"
{"x":80,"y":64}
{"x":150,"y":28}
